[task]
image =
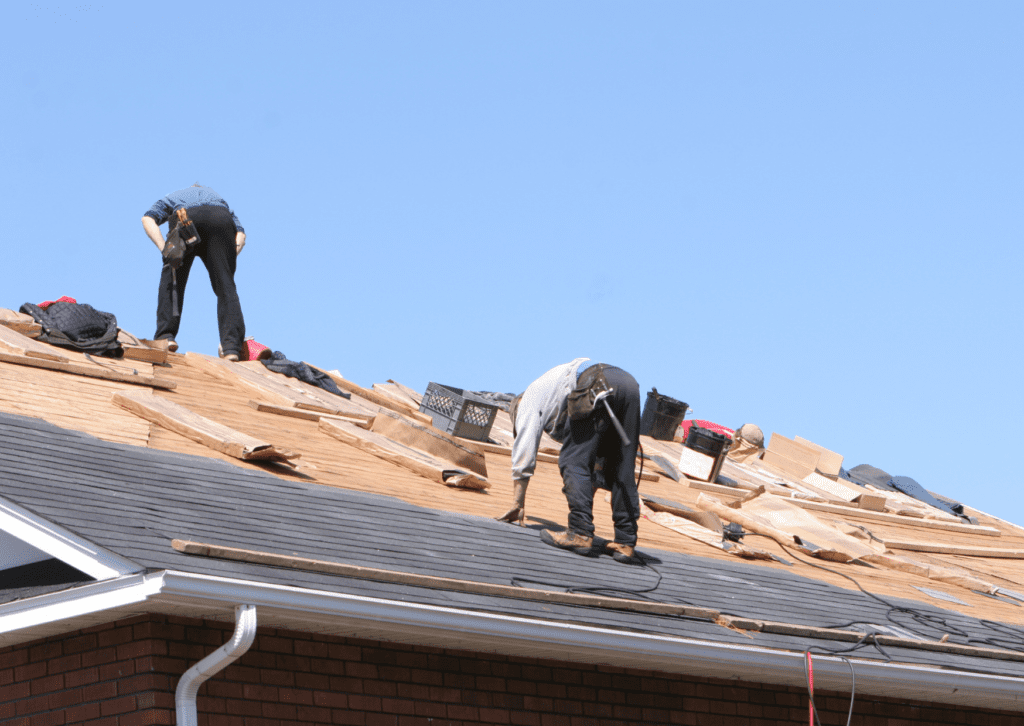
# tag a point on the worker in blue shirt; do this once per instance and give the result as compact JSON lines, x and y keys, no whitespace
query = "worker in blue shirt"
{"x":221,"y":239}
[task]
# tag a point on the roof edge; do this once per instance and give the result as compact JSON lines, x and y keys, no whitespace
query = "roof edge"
{"x":280,"y":606}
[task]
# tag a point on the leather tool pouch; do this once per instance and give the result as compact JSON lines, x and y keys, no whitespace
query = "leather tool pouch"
{"x":581,"y":399}
{"x":180,"y":240}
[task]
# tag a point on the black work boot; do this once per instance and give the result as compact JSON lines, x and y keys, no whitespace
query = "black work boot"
{"x":568,"y":541}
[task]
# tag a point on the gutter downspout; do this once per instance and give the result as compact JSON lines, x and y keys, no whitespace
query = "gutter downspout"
{"x":188,"y":686}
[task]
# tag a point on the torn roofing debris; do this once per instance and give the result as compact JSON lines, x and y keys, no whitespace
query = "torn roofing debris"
{"x":288,"y":473}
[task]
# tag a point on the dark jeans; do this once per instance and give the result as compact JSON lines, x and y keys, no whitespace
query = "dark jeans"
{"x":593,"y":438}
{"x":216,"y":249}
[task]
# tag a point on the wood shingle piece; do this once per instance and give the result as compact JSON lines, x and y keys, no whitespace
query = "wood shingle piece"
{"x":216,"y":436}
{"x":408,"y":457}
{"x":829,"y":462}
{"x":437,"y":443}
{"x":18,"y":344}
{"x":305,"y":415}
{"x":20,"y":322}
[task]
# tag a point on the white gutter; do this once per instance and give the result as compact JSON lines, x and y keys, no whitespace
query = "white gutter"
{"x":188,"y":686}
{"x":389,"y":620}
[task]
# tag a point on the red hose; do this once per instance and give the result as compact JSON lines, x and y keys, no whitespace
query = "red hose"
{"x":810,"y":681}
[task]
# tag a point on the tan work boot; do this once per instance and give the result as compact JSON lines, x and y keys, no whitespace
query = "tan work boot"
{"x":621,"y":552}
{"x":568,"y":541}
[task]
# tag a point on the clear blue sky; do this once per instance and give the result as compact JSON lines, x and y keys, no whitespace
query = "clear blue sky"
{"x":803,"y":215}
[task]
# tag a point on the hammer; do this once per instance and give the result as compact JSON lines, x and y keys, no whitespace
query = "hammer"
{"x":602,"y":397}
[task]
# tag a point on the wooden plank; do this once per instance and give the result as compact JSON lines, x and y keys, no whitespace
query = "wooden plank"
{"x":135,"y":349}
{"x":829,"y":462}
{"x":899,"y":519}
{"x":375,"y":397}
{"x":426,"y":438}
{"x":407,"y":457}
{"x":947,"y":549}
{"x":191,"y":425}
{"x":874,"y":502}
{"x":439,"y":583}
{"x":19,"y":344}
{"x":796,"y":469}
{"x":791,"y":456}
{"x":89,"y":371}
{"x":306,"y":415}
{"x":20,"y":322}
{"x":696,"y":465}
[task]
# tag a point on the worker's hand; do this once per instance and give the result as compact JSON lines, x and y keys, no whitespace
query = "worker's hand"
{"x":518,"y":511}
{"x":239,"y":242}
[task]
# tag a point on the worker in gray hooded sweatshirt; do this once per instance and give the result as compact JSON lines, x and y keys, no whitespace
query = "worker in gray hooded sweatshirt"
{"x":545,"y":407}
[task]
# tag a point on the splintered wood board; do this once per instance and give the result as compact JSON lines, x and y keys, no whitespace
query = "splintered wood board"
{"x":292,"y":412}
{"x":216,"y":436}
{"x":436,"y":443}
{"x":405,"y":456}
{"x":20,"y":322}
{"x":18,"y":344}
{"x":790,"y":456}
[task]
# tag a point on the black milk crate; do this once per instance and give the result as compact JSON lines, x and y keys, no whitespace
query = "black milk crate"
{"x":458,"y":412}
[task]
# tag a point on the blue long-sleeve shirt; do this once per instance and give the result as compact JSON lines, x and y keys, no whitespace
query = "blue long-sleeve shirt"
{"x":188,"y":198}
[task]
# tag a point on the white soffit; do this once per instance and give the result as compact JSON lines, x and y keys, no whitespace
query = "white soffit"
{"x":15,"y":553}
{"x":35,"y":533}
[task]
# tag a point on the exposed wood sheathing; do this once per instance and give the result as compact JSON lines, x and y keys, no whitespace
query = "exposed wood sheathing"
{"x":85,"y":404}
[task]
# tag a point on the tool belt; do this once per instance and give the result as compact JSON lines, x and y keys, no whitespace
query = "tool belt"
{"x":583,"y":398}
{"x":180,"y":240}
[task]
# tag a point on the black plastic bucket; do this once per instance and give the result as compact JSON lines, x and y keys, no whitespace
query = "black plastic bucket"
{"x":662,"y":416}
{"x":707,"y":441}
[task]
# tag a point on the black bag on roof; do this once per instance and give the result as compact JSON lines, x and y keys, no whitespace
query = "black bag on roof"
{"x":78,"y":327}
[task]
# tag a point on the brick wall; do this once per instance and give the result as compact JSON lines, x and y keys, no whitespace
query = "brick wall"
{"x":125,"y":673}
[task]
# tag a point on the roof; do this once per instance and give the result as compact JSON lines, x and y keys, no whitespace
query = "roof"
{"x":110,"y":493}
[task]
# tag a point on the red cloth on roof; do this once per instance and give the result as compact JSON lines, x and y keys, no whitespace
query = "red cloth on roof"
{"x":717,"y":428}
{"x":64,"y":298}
{"x":251,"y":350}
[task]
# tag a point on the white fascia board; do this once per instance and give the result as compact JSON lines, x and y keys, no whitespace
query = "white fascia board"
{"x":493,"y":632}
{"x":77,"y":602}
{"x":96,"y":562}
{"x":338,"y":613}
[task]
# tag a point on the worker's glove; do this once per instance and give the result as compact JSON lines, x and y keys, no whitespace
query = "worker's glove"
{"x":518,"y":511}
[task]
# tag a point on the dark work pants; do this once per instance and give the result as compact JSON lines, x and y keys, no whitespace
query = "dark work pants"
{"x":595,"y":437}
{"x":216,"y":249}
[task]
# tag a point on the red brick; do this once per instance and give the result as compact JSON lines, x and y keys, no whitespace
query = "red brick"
{"x":13,"y":658}
{"x":149,"y":717}
{"x":117,"y":636}
{"x":260,"y":693}
{"x":85,"y":712}
{"x":82,"y":677}
{"x":29,"y":706}
{"x":494,"y":715}
{"x":361,"y":670}
{"x":359,"y":702}
{"x":53,"y":718}
{"x":114,"y":706}
{"x":44,"y":651}
{"x":63,"y":699}
{"x":30,"y":671}
{"x":99,"y":692}
{"x":379,"y":688}
{"x":99,"y":656}
{"x":344,"y":652}
{"x":113,"y":671}
{"x":381,"y":719}
{"x":328,"y":699}
{"x":279,"y":710}
{"x":312,"y":649}
{"x":14,"y":692}
{"x":312,"y":681}
{"x":48,"y":684}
